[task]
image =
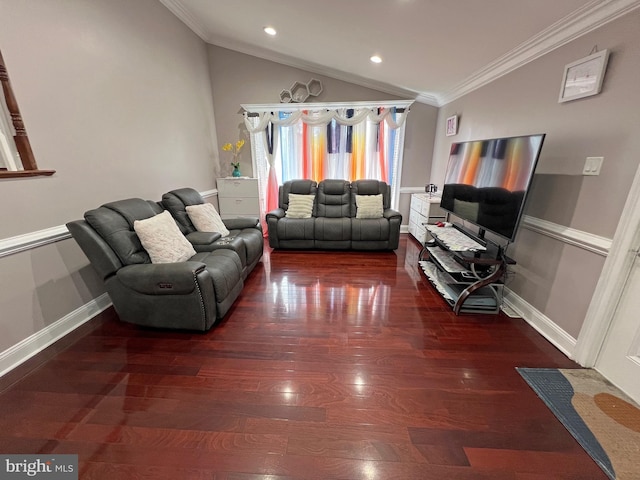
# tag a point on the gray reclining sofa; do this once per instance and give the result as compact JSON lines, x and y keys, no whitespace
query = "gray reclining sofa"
{"x":190,"y":295}
{"x":333,"y":223}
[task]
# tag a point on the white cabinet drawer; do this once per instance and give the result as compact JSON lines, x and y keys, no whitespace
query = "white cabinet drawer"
{"x":238,"y":206}
{"x":422,"y":210}
{"x":416,"y":203}
{"x":237,"y":187}
{"x":430,"y":208}
{"x":426,"y":206}
{"x":238,"y":197}
{"x":436,"y":213}
{"x":418,"y":231}
{"x":421,"y":234}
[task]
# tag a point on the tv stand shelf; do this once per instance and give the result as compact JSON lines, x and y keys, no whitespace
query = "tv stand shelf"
{"x":466,"y":271}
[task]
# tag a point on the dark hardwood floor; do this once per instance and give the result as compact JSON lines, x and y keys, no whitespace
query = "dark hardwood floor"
{"x":335,"y":365}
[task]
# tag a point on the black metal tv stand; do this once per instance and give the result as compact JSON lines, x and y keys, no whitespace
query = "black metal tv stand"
{"x":467,"y":270}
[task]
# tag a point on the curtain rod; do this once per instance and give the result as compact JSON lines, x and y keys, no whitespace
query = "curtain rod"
{"x":293,"y":107}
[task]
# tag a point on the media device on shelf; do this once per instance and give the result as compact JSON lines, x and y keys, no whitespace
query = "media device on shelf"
{"x":487,"y":182}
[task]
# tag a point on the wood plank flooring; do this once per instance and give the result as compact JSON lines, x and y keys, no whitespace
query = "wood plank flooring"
{"x":338,"y":365}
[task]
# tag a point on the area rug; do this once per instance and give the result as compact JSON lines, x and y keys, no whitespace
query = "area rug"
{"x":601,"y":418}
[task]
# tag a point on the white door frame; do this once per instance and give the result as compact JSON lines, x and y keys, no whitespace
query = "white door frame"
{"x":613,"y":278}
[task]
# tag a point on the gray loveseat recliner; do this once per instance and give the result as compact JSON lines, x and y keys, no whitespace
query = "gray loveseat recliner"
{"x":333,"y":223}
{"x":189,"y":295}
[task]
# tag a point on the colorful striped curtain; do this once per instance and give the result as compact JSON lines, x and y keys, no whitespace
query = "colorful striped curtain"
{"x":364,"y":150}
{"x":345,"y":143}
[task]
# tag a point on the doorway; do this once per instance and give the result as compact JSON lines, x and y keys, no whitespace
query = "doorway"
{"x":610,"y":337}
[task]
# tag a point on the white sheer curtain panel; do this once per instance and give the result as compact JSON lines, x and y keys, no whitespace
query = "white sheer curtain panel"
{"x":348,"y":141}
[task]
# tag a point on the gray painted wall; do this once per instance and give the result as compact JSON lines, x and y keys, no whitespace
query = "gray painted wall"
{"x":238,"y":79}
{"x":556,"y":278}
{"x":116,"y":97}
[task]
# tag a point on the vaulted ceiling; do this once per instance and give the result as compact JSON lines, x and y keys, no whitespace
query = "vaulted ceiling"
{"x":431,"y":50}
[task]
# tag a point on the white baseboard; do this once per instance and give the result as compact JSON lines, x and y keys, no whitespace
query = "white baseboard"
{"x":543,"y":324}
{"x":30,"y":346}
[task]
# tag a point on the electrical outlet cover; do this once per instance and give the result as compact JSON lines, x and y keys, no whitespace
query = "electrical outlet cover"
{"x":592,"y":166}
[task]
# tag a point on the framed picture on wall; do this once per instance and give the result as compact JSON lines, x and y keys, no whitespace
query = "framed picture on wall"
{"x":583,"y":77}
{"x":452,"y":125}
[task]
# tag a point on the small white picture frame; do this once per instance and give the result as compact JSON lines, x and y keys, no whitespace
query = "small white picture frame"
{"x":583,"y":77}
{"x":452,"y":126}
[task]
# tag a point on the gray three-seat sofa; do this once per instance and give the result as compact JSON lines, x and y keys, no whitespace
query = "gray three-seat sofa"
{"x":334,"y":222}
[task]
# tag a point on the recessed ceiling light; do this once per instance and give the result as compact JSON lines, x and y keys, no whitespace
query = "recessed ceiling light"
{"x":270,"y":31}
{"x":376,"y":59}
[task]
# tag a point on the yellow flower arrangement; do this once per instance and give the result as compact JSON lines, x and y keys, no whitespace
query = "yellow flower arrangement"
{"x":235,"y":151}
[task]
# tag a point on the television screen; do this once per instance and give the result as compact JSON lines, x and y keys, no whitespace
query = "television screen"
{"x":486,"y":182}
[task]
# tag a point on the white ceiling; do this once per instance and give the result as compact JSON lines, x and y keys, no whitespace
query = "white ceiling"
{"x":432,"y":50}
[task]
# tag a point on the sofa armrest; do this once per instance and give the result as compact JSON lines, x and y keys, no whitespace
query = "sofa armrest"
{"x":391,"y":213}
{"x":202,"y":238}
{"x":161,"y":278}
{"x":242,"y":222}
{"x":276,"y":214}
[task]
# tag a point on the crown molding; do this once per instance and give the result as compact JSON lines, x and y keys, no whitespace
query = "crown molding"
{"x":428,"y":99}
{"x":580,"y":22}
{"x":179,"y":10}
{"x":311,"y":67}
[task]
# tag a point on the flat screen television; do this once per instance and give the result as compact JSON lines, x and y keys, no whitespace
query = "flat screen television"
{"x":487,"y":182}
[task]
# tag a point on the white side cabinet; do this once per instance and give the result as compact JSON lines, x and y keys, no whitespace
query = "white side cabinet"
{"x":238,"y":197}
{"x":424,"y":209}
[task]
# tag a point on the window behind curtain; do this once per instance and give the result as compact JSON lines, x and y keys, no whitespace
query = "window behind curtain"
{"x":366,"y":150}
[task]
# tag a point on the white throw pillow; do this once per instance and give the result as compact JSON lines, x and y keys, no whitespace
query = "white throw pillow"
{"x":369,"y":206}
{"x":300,"y":206}
{"x":206,"y":218}
{"x":163,"y":240}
